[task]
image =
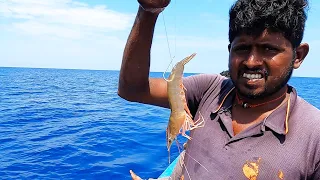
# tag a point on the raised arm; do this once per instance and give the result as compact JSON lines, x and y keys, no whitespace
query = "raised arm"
{"x":134,"y":82}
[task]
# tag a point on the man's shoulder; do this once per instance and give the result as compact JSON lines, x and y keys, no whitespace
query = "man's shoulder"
{"x":207,"y":76}
{"x":307,"y":113}
{"x":307,"y":108}
{"x":215,"y":81}
{"x":202,"y":88}
{"x":210,"y":89}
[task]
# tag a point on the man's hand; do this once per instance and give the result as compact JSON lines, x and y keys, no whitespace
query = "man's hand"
{"x":154,"y":4}
{"x":134,"y":176}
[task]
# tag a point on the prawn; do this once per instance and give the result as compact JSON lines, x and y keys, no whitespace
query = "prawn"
{"x":180,"y":119}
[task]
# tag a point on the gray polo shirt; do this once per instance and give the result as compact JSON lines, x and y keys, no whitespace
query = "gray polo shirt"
{"x":286,"y":145}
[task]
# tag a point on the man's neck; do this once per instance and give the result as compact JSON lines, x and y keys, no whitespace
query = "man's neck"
{"x":268,"y":102}
{"x":245,"y":117}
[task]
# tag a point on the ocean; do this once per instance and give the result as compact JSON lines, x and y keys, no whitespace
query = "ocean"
{"x":71,"y":124}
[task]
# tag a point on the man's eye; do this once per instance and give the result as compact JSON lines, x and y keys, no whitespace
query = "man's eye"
{"x":241,"y":48}
{"x":269,"y":48}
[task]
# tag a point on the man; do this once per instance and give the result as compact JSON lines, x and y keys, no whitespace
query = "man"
{"x":256,"y":127}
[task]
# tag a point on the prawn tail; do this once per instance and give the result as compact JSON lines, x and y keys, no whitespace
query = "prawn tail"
{"x":187,"y":59}
{"x":181,"y":63}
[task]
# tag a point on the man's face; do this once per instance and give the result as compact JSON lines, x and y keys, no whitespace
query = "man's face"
{"x":260,"y":66}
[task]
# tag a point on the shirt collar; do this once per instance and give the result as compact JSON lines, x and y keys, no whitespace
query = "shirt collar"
{"x":277,"y":121}
{"x":226,"y":96}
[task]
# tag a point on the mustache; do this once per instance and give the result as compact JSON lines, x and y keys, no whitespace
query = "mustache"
{"x":264,"y":72}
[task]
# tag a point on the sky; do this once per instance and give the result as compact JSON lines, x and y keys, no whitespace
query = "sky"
{"x":91,"y":34}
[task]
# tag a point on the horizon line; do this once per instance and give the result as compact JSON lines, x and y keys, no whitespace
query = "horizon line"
{"x":53,"y":68}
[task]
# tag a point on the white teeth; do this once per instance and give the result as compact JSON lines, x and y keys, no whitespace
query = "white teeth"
{"x":252,"y":76}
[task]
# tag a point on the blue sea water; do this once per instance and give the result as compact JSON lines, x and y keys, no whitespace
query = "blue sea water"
{"x":71,"y":124}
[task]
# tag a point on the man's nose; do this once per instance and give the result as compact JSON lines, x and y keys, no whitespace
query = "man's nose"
{"x":254,"y":59}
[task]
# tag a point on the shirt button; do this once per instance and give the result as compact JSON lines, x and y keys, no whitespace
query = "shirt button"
{"x":226,"y":147}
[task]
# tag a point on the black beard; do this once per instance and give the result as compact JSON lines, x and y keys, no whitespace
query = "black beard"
{"x":268,"y":91}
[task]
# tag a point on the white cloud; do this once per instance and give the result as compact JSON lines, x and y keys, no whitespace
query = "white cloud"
{"x":61,"y":34}
{"x":36,"y":28}
{"x":64,"y":18}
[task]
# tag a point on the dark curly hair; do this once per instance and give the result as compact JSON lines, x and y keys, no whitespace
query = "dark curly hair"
{"x":252,"y":17}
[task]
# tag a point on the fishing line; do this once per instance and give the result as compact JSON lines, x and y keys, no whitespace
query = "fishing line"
{"x":168,"y":43}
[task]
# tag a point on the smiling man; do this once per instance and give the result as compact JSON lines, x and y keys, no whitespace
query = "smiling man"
{"x":256,"y":126}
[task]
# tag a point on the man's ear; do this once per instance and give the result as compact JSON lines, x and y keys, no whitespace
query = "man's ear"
{"x":301,"y":53}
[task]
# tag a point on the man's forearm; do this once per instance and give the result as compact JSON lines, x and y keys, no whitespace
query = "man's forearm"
{"x":134,"y":72}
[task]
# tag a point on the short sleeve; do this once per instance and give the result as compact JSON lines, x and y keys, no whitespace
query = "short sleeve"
{"x":196,"y":86}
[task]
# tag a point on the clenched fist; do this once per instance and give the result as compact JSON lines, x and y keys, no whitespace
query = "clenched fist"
{"x":154,"y":4}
